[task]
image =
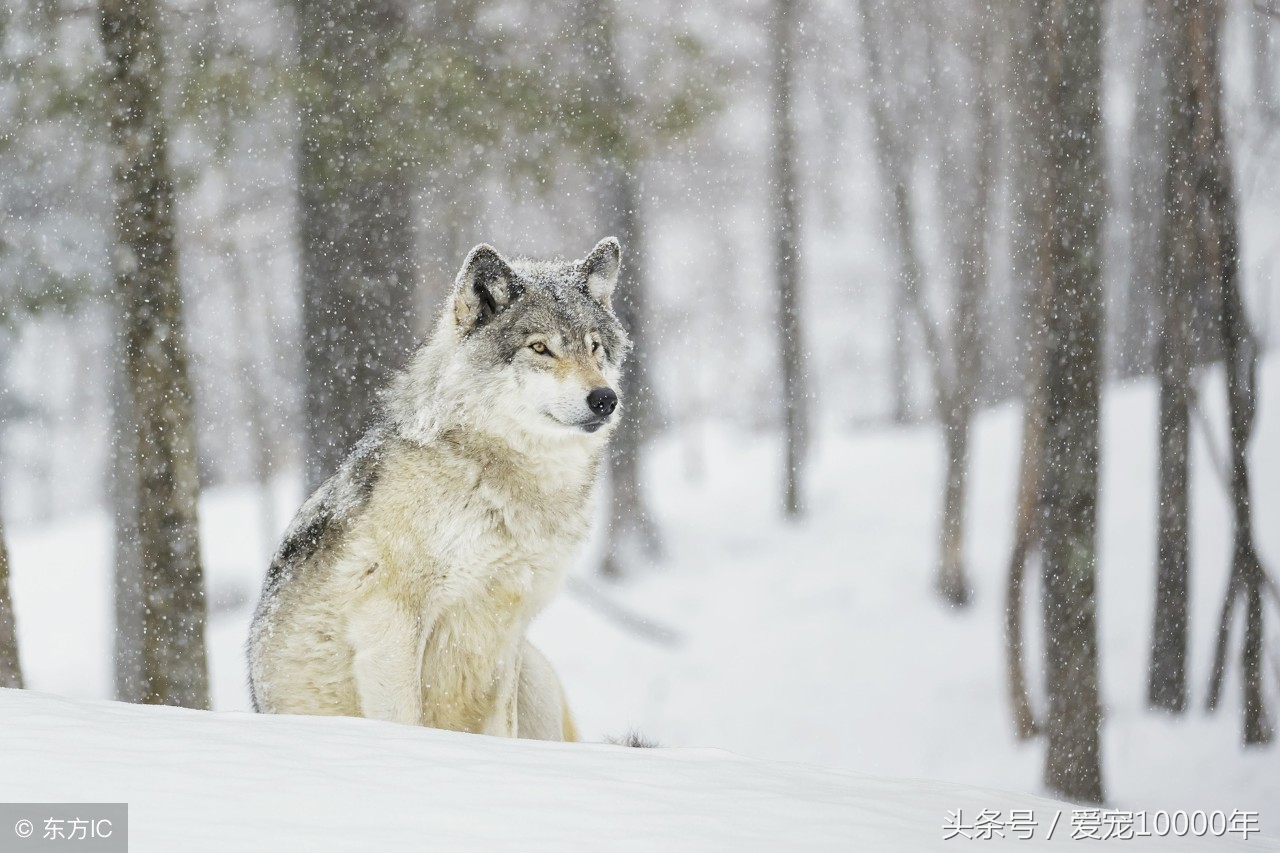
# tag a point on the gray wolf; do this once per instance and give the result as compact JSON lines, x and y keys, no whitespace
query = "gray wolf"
{"x":404,"y":586}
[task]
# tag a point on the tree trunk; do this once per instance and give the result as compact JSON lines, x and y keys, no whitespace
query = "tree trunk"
{"x":1219,"y":235}
{"x":1069,"y":38}
{"x":173,"y":653}
{"x":1027,"y":178}
{"x":355,"y":204}
{"x":633,"y":536}
{"x":975,"y":183}
{"x":1179,"y":267}
{"x":891,"y":159}
{"x":786,"y":236}
{"x":126,"y":557}
{"x":10,"y":667}
{"x":1139,"y":315}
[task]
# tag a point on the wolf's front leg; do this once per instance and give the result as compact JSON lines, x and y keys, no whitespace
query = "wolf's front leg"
{"x":502,"y":721}
{"x":387,"y":662}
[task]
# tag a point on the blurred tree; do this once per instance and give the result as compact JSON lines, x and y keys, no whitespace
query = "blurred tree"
{"x":356,"y":241}
{"x":1218,"y":234}
{"x":893,"y":158}
{"x":785,"y":200}
{"x":1180,"y":267}
{"x":965,"y":139}
{"x":10,"y":668}
{"x":1025,"y":132}
{"x":174,"y":670}
{"x":1139,"y":312}
{"x":633,"y":533}
{"x":967,"y":186}
{"x":1068,"y":44}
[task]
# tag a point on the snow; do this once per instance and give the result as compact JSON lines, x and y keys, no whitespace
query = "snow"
{"x":199,"y":781}
{"x":820,"y":642}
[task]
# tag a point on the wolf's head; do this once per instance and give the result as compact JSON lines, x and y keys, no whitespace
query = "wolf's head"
{"x":523,"y":349}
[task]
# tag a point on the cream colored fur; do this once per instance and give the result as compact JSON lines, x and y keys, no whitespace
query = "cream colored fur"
{"x":417,"y":613}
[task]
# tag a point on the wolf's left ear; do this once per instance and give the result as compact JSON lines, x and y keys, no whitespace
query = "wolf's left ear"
{"x":600,"y":269}
{"x":486,"y":285}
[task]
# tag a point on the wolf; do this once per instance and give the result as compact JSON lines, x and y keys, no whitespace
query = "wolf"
{"x":405,"y":584}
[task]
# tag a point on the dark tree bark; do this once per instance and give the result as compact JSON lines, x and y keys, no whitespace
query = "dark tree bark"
{"x":1219,"y":235}
{"x":355,"y":204}
{"x":1180,"y":266}
{"x":633,"y":534}
{"x":174,"y":671}
{"x":786,"y":247}
{"x":126,"y":557}
{"x":1068,"y":42}
{"x":10,"y":667}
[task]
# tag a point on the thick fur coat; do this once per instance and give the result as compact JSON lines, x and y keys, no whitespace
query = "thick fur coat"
{"x":404,"y":586}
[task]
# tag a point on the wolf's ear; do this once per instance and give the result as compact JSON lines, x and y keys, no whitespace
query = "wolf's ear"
{"x":600,"y":269}
{"x":486,"y":285}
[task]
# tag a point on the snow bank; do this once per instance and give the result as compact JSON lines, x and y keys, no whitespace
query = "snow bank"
{"x":199,"y":781}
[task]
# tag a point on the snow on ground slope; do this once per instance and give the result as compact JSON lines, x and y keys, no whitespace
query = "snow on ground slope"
{"x":200,"y":781}
{"x":819,"y":641}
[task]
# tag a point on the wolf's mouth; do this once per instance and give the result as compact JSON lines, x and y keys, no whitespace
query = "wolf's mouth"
{"x":589,"y":425}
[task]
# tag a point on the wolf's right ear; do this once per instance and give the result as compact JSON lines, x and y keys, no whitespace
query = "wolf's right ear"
{"x":600,"y":269}
{"x":485,"y":287}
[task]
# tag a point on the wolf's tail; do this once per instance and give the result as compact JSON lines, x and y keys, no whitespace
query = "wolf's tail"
{"x":633,"y":738}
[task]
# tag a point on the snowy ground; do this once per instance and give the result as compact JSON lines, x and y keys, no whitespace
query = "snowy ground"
{"x":819,"y":642}
{"x":197,"y":781}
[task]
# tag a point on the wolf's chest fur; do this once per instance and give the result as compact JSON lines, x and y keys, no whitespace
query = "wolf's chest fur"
{"x":452,"y":521}
{"x":463,"y":545}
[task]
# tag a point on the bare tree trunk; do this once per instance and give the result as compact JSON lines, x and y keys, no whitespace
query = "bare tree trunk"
{"x":1028,"y":190}
{"x":1068,"y":40}
{"x":633,"y":535}
{"x":357,"y":241}
{"x":1149,"y":144}
{"x":126,"y":557}
{"x":1179,"y":266}
{"x":892,"y":161}
{"x":1028,"y":511}
{"x":786,"y":235}
{"x":173,"y":653}
{"x":1219,"y":235}
{"x":972,"y":227}
{"x":10,"y":667}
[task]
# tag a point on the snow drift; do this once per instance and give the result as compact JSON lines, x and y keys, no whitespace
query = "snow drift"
{"x":198,"y":781}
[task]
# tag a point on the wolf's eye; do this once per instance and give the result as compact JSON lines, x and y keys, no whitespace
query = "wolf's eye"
{"x":595,"y":347}
{"x":539,"y":347}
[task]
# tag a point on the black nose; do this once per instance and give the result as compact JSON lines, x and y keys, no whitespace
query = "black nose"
{"x":602,"y":401}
